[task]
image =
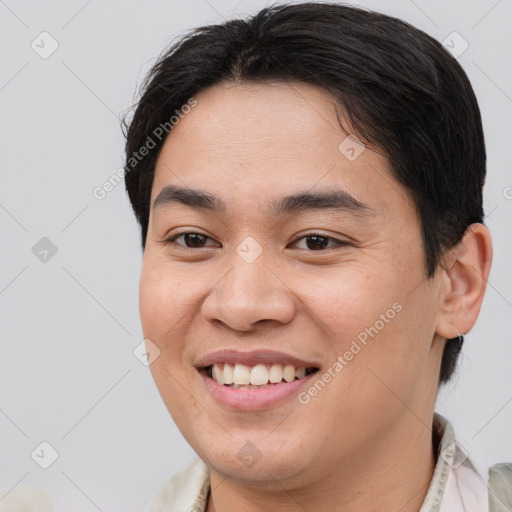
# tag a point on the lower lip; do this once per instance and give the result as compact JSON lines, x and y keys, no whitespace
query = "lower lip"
{"x":254,"y":399}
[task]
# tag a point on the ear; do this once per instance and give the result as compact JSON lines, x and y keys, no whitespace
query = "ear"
{"x":465,"y":270}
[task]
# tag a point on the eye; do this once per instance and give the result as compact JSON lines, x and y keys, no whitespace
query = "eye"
{"x":191,"y":240}
{"x":313,"y":241}
{"x":318,"y":242}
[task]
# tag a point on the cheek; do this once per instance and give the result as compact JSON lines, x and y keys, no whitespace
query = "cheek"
{"x":348,"y":302}
{"x":162,"y":307}
{"x":369,"y":321}
{"x":153,"y":302}
{"x":163,"y":298}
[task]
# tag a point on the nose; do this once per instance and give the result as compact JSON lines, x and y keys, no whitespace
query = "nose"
{"x":247,"y":294}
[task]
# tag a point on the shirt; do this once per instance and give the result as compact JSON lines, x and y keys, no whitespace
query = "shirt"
{"x":456,"y":486}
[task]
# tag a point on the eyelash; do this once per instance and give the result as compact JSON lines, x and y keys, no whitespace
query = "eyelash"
{"x":171,"y":240}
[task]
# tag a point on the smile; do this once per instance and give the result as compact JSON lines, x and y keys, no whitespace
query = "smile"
{"x":254,"y":380}
{"x":241,"y":376}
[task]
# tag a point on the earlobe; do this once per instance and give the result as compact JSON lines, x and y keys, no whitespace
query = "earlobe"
{"x":465,"y":274}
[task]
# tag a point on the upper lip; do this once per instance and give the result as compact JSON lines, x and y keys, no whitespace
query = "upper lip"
{"x":252,"y":358}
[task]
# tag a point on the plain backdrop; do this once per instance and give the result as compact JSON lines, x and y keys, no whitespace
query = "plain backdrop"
{"x":70,"y":263}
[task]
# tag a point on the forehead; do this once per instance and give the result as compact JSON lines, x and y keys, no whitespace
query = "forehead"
{"x":271,"y":140}
{"x":244,"y":122}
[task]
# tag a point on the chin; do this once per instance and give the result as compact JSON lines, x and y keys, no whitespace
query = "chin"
{"x":262,"y":457}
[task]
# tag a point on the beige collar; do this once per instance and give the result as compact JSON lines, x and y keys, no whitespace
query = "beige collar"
{"x":456,"y":486}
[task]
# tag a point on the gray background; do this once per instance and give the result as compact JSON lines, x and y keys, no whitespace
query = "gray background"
{"x":69,"y":325}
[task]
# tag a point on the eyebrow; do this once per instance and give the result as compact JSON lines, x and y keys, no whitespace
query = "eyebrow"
{"x":337,"y":199}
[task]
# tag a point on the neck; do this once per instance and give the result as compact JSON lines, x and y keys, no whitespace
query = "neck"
{"x":393,"y":475}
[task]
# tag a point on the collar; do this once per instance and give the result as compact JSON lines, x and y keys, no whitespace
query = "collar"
{"x":456,"y":485}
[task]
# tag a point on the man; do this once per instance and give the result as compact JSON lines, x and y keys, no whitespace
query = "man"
{"x":309,"y":188}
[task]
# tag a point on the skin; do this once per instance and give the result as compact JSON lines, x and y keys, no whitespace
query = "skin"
{"x":364,"y":442}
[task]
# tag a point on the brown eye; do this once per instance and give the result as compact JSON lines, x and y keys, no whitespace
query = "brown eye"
{"x":194,"y":239}
{"x":191,"y":240}
{"x":317,"y":242}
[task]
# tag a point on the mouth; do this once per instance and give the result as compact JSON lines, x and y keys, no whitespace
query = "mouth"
{"x":259,"y":376}
{"x":254,"y":380}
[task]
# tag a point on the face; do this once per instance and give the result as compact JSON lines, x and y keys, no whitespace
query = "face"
{"x":320,"y":300}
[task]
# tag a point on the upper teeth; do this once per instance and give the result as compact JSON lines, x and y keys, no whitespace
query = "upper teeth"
{"x":261,"y":374}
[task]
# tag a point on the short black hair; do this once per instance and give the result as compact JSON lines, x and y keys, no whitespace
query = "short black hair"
{"x":401,"y":91}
